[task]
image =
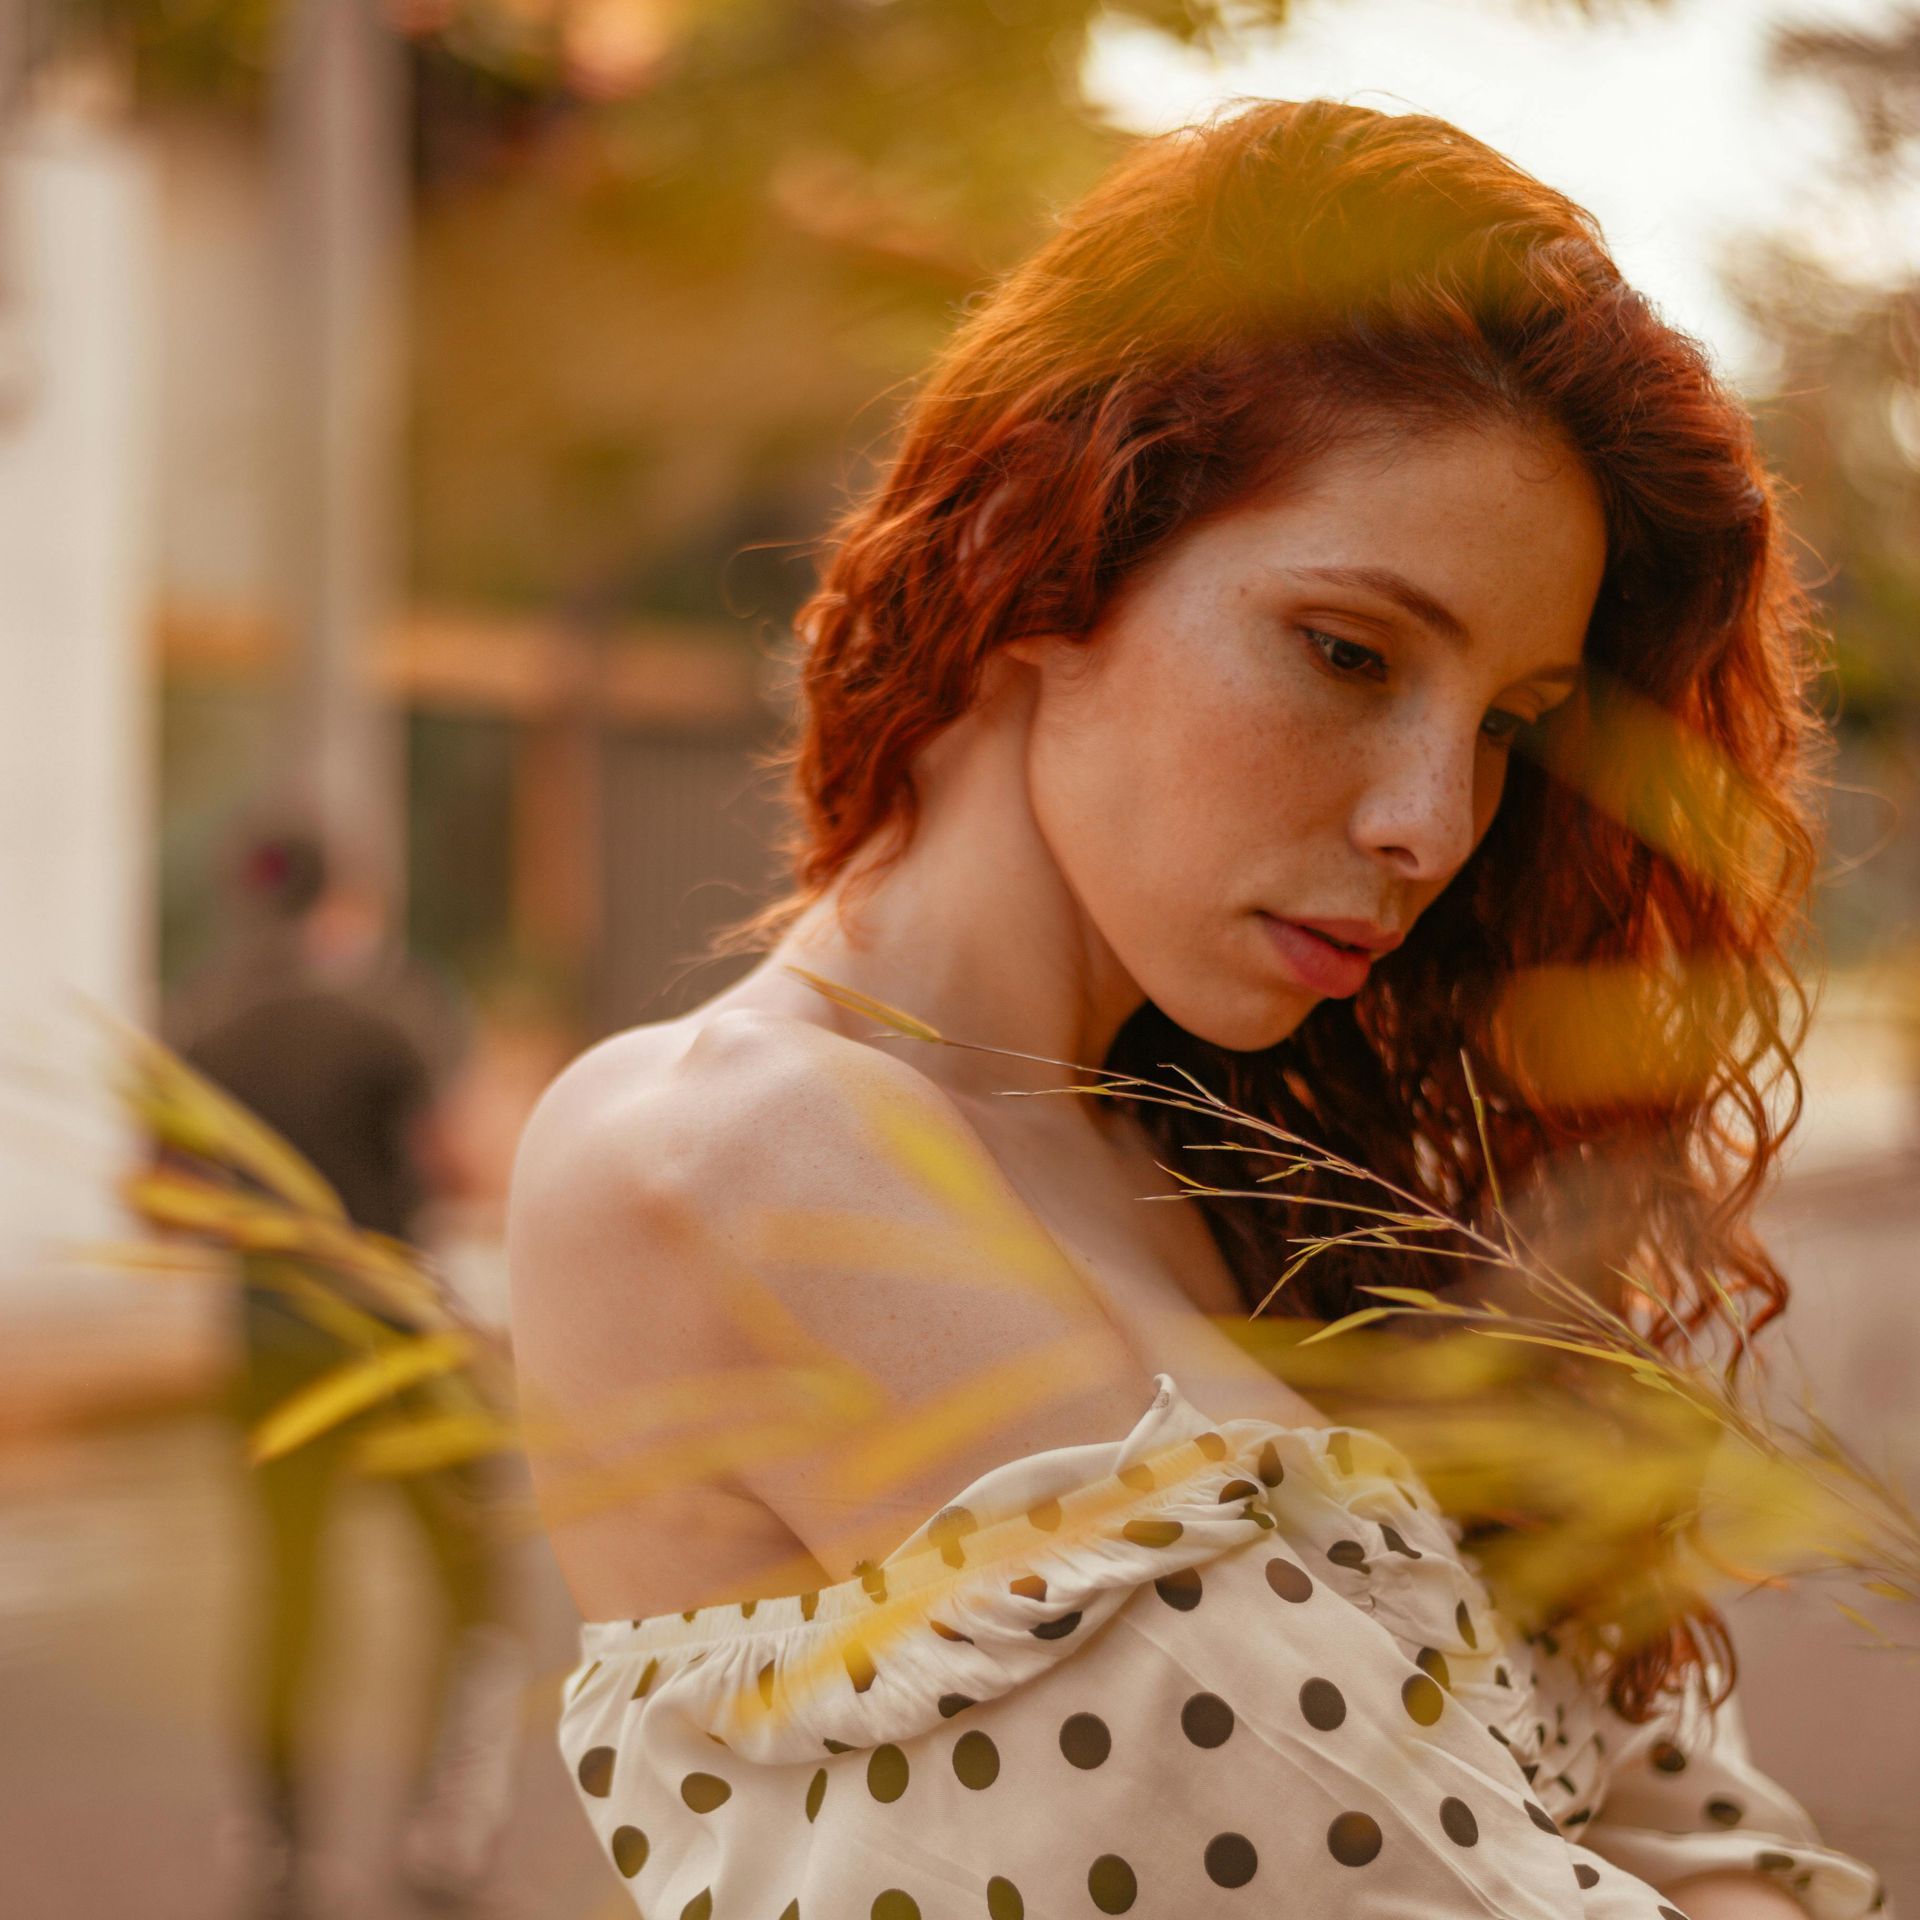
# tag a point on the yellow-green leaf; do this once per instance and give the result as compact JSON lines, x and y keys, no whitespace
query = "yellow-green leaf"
{"x":1359,"y":1319}
{"x":343,"y":1391}
{"x":857,"y":1002}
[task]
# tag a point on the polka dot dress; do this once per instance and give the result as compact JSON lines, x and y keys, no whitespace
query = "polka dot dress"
{"x":1212,"y":1670}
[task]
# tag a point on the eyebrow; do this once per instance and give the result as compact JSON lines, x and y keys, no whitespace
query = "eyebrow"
{"x":1416,"y":601}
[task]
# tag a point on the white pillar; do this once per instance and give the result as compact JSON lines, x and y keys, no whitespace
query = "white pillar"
{"x":77,"y":433}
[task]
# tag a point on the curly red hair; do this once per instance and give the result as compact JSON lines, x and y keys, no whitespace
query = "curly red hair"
{"x":1230,"y":300}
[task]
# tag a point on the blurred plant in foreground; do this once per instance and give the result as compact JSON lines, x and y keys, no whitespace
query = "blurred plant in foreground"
{"x":218,"y":1175}
{"x":1599,"y":1478}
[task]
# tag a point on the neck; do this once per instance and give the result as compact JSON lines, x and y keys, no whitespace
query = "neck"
{"x":974,"y":929}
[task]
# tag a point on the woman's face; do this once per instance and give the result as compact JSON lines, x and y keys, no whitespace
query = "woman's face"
{"x":1303,"y":711}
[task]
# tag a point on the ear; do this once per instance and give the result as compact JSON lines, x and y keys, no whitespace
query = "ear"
{"x":974,"y":549}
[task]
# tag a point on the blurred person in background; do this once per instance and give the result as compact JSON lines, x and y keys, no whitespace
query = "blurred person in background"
{"x":314,"y":1019}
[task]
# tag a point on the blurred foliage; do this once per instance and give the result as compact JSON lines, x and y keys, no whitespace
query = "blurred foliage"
{"x":1842,"y":417}
{"x":669,"y":250}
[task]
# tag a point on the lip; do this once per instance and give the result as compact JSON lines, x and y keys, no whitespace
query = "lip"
{"x":1356,"y":933}
{"x":1313,"y":961}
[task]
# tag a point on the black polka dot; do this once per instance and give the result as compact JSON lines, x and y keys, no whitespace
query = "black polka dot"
{"x":1540,"y":1817}
{"x":705,"y":1791}
{"x":1457,"y":1822}
{"x":1003,"y":1900}
{"x":1354,"y":1839}
{"x":1057,"y":1629}
{"x":1667,"y":1757}
{"x":1111,"y":1884}
{"x":700,"y":1907}
{"x":746,"y":1608}
{"x":1213,"y":1445}
{"x":952,"y":1703}
{"x":1669,"y":1913}
{"x":1268,"y":1466}
{"x":1391,"y":1535}
{"x":947,"y":1529}
{"x":859,"y":1664}
{"x":1464,"y":1621}
{"x":1045,"y":1517}
{"x":596,"y":1771}
{"x":809,"y":1602}
{"x":1585,"y":1874}
{"x":1348,"y":1553}
{"x":1084,"y":1739}
{"x":836,"y":1746}
{"x":1724,"y":1813}
{"x":1423,"y":1701}
{"x":791,"y":1911}
{"x":976,"y":1761}
{"x":629,"y":1850}
{"x":1500,"y":1680}
{"x":887,"y":1772}
{"x":816,"y":1792}
{"x":1153,"y":1533}
{"x":1432,"y":1660}
{"x":1323,"y":1704}
{"x":1289,"y":1581}
{"x":1770,"y":1861}
{"x":1029,"y":1586}
{"x":646,"y":1679}
{"x":1231,"y":1860}
{"x":1238,"y":1490}
{"x":950,"y":1633}
{"x":1139,"y":1478}
{"x":895,"y":1905}
{"x":1207,"y":1720}
{"x":1181,"y":1590}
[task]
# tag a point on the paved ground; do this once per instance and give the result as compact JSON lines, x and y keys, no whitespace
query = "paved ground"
{"x":122,"y":1553}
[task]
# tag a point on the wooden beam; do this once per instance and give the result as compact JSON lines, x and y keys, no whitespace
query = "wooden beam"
{"x":650,"y":674}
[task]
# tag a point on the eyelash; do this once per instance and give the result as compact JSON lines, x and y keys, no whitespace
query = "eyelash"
{"x":1519,"y":722}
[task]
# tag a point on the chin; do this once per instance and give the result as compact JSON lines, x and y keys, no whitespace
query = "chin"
{"x":1230,"y":1016}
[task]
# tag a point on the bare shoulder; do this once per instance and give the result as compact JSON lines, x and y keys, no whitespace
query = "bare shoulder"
{"x":663,"y":1151}
{"x":670,"y":1116}
{"x":699,"y":1218}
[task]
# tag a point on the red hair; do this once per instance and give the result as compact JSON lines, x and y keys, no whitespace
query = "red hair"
{"x":1230,"y":300}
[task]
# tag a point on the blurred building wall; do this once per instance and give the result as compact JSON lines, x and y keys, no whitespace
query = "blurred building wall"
{"x":76,"y":483}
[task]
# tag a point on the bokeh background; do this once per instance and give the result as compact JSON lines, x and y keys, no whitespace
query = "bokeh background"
{"x":414,"y":416}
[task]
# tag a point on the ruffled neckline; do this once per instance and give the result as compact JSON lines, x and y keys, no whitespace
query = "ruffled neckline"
{"x":1037,"y":1553}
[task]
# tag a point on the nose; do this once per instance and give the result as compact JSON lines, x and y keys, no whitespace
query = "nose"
{"x":1427,"y":798}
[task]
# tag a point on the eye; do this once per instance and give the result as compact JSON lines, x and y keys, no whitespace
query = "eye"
{"x":1502,"y":727}
{"x":1348,"y":658}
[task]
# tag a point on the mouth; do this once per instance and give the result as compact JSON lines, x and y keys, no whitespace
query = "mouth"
{"x":1316,"y":960}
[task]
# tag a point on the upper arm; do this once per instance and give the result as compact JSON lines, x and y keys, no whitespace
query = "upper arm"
{"x":789,"y":1266}
{"x":1687,"y":1804}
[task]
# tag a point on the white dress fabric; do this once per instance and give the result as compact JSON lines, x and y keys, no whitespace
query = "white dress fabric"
{"x":1214,"y":1670}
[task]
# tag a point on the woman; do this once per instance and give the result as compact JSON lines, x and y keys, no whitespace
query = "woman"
{"x":1166,"y":703}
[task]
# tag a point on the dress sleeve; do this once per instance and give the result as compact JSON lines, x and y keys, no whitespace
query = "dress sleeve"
{"x":1687,"y":1797}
